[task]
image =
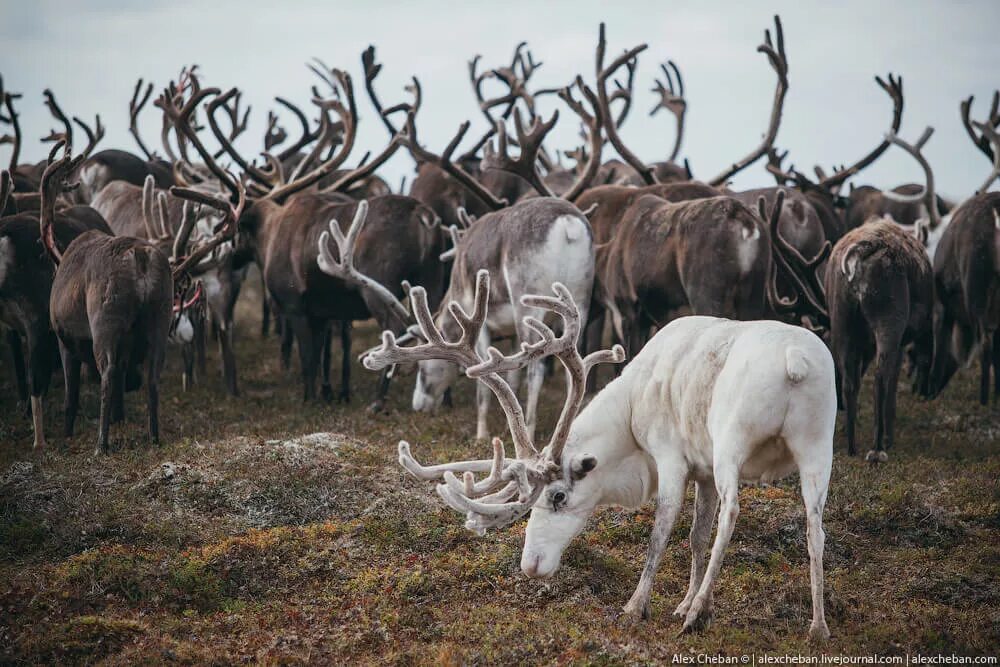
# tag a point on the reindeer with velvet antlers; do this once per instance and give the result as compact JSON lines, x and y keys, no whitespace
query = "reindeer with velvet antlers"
{"x":709,"y":400}
{"x":533,"y":243}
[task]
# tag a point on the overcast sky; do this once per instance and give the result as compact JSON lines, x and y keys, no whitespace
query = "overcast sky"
{"x":90,"y":54}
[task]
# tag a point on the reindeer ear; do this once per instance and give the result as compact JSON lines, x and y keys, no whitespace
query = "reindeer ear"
{"x":581,"y":465}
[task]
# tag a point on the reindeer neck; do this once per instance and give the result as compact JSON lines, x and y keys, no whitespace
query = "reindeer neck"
{"x":624,"y":472}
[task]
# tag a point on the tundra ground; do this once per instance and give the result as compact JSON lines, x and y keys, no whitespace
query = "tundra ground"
{"x":264,"y":530}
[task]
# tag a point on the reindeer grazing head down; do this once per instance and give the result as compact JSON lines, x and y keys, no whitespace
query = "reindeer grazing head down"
{"x":554,"y":488}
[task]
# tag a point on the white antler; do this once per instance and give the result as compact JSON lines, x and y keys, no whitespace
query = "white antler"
{"x":345,"y":269}
{"x":513,"y":485}
{"x":927,"y":193}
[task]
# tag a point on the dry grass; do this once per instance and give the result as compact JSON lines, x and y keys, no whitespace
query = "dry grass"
{"x":239,"y":540}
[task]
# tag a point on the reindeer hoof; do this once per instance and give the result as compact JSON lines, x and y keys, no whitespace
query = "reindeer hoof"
{"x":875,"y":456}
{"x":634,"y":612}
{"x":698,"y":618}
{"x":344,"y":397}
{"x":326,"y":392}
{"x":376,"y":408}
{"x":682,"y":609}
{"x":819,"y":633}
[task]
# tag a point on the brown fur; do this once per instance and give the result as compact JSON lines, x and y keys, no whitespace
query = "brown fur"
{"x":880,"y":294}
{"x":668,"y":256}
{"x":402,"y":240}
{"x":967,"y":276}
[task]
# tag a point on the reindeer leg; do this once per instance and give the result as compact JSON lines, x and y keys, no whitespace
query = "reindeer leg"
{"x":814,"y":487}
{"x":727,"y":483}
{"x":39,"y":376}
{"x":345,"y":365}
{"x":850,"y":373}
{"x":71,"y":373}
{"x":200,"y":334}
{"x":287,"y":338}
{"x":307,"y":354}
{"x":672,"y":481}
{"x":593,"y":335}
{"x":985,"y":363}
{"x":109,"y":374}
{"x":326,"y":389}
{"x":17,"y":357}
{"x":706,"y":504}
{"x":996,"y":367}
{"x":188,"y":354}
{"x":482,"y":391}
{"x":887,"y":365}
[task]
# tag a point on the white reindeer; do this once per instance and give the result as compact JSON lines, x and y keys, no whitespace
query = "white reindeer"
{"x":710,"y":400}
{"x":531,"y":245}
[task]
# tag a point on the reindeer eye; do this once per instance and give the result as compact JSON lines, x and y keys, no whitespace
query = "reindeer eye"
{"x":558,"y":498}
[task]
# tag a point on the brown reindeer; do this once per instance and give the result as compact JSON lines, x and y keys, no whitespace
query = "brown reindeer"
{"x":130,"y":211}
{"x":880,"y":292}
{"x":967,"y":275}
{"x":282,"y":225}
{"x":111,"y":305}
{"x":26,"y":274}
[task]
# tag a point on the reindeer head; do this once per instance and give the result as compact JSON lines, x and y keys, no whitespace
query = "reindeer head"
{"x":542,"y":481}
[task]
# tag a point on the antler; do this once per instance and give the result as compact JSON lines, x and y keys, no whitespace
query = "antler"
{"x":512,"y":486}
{"x":593,"y":123}
{"x":603,"y":74}
{"x":67,"y":133}
{"x":7,"y":98}
{"x":147,"y":207}
{"x":672,"y":99}
{"x":444,"y":162}
{"x":927,"y":195}
{"x":188,"y":220}
{"x":135,"y":106}
{"x":308,"y":135}
{"x":530,"y":142}
{"x":179,"y":114}
{"x":6,"y":187}
{"x":93,"y":136}
{"x":340,"y":82}
{"x":786,"y":257}
{"x":54,"y":182}
{"x":994,"y":138}
{"x":226,"y":231}
{"x":775,"y":52}
{"x":993,"y":120}
{"x":894,"y":89}
{"x":237,"y":126}
{"x":344,"y":267}
{"x":515,"y":77}
{"x":274,"y":135}
{"x":372,"y":69}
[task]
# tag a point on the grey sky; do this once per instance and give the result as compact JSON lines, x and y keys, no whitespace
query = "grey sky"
{"x":90,"y":54}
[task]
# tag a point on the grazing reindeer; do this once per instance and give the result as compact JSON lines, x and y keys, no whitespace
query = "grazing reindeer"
{"x":707,"y":399}
{"x":967,"y":276}
{"x":25,"y":284}
{"x":880,"y":292}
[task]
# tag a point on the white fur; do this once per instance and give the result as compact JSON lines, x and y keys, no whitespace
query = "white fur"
{"x":567,"y":256}
{"x":6,"y":259}
{"x":710,"y":400}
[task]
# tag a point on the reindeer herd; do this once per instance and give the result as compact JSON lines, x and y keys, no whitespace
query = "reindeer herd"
{"x":748,"y":318}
